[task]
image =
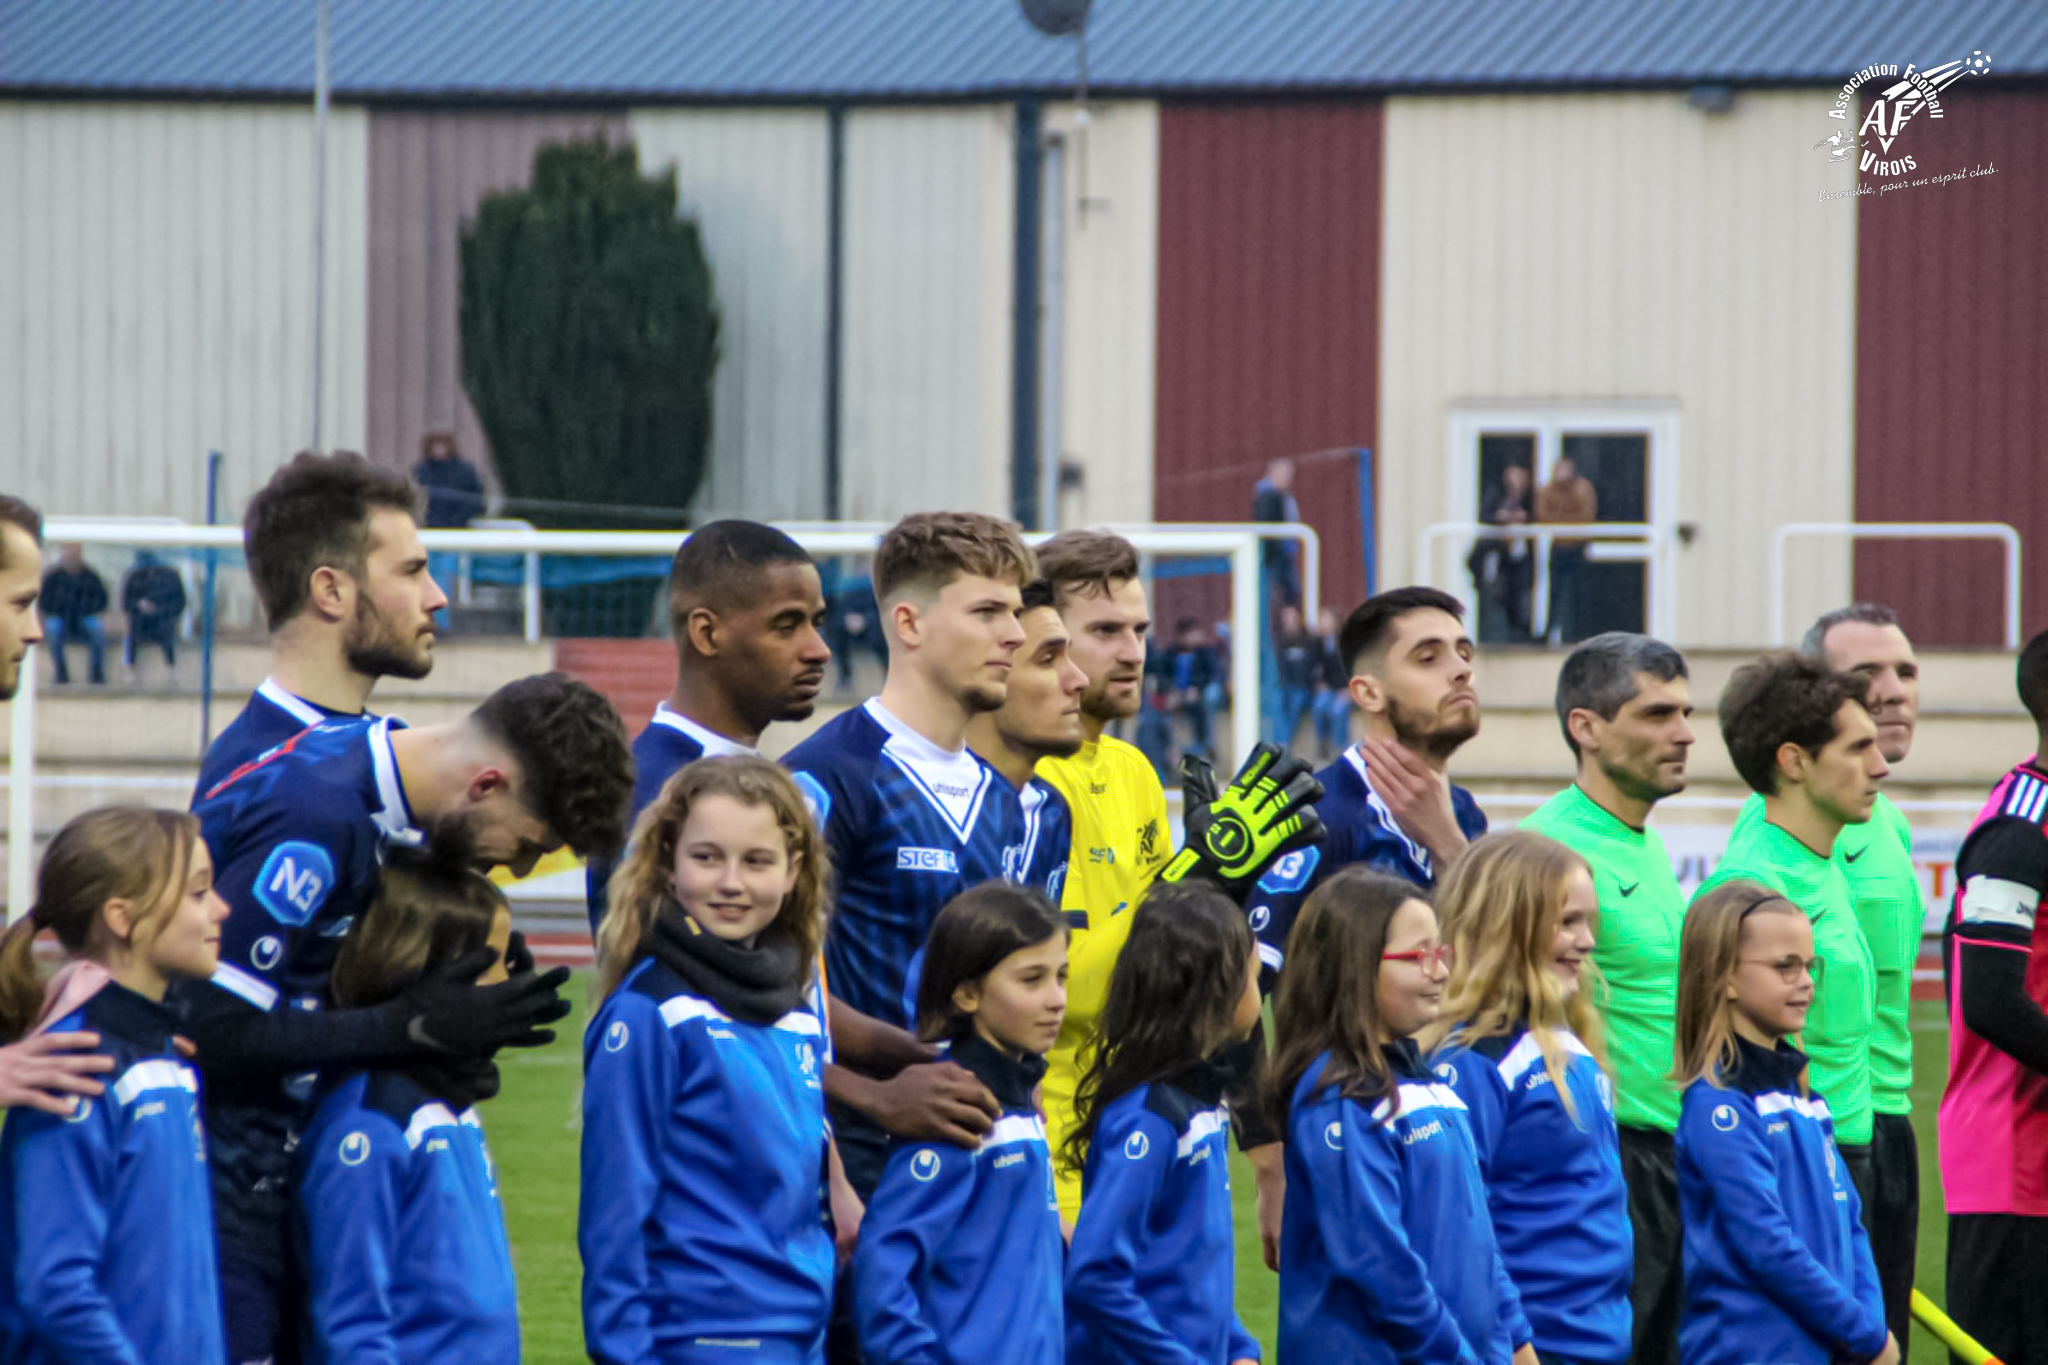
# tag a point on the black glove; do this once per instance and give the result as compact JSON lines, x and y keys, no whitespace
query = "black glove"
{"x":518,"y":957}
{"x":449,"y":1013}
{"x":1267,"y":810}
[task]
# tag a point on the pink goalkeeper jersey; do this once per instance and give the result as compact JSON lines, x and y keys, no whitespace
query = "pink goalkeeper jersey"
{"x":1993,"y":1121}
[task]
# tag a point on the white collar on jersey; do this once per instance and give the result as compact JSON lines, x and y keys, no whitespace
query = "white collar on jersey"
{"x":395,"y":819}
{"x":1355,"y":755}
{"x":954,"y":781}
{"x":714,"y":744}
{"x":297,"y":707}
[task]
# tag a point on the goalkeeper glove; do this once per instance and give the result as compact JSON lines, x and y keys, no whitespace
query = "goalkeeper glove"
{"x":1267,"y":810}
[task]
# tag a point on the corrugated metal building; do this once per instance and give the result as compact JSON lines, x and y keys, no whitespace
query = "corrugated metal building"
{"x":1450,"y":235}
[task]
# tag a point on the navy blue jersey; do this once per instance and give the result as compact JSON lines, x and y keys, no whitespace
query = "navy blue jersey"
{"x":702,"y":1222}
{"x":405,"y":1241}
{"x":909,"y":826}
{"x":1358,"y":828}
{"x":670,"y":740}
{"x":271,"y":716}
{"x":297,"y":839}
{"x":1554,"y":1185}
{"x":106,"y":1217}
{"x":1386,"y":1250}
{"x":1048,"y":840}
{"x":959,"y":1260}
{"x":1151,"y":1274}
{"x":1777,"y":1264}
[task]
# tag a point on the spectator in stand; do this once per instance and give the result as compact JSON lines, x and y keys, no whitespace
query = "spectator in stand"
{"x":1190,"y":673}
{"x":1300,"y":663}
{"x":1332,"y":702}
{"x":1568,"y":499}
{"x":1273,"y":501}
{"x":73,"y":598}
{"x":853,"y":623}
{"x":152,"y":598}
{"x":1155,"y":714}
{"x":1503,"y":570}
{"x":455,"y":498}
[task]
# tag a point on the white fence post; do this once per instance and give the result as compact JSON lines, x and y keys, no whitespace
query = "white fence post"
{"x":1900,"y":530}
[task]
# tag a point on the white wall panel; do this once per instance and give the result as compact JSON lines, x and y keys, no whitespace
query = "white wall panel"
{"x":156,"y":299}
{"x":1588,"y":248}
{"x":756,"y":182}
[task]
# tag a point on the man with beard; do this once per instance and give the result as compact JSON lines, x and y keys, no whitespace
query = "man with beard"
{"x":296,"y":836}
{"x":334,"y":551}
{"x":1623,"y":701}
{"x":1388,"y":802}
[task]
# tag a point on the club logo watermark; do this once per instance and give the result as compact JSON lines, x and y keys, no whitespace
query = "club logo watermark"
{"x":1871,"y":146}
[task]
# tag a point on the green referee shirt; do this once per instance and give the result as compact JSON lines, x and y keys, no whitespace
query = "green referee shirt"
{"x":1635,"y":948}
{"x":1837,"y":1037}
{"x":1877,"y":859}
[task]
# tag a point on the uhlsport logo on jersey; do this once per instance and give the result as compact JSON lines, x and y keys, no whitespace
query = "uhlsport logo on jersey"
{"x":1723,"y":1118}
{"x":1869,"y":141}
{"x":355,"y":1149}
{"x":294,"y":882}
{"x":615,"y":1037}
{"x":1136,"y":1145}
{"x":924,"y":1166}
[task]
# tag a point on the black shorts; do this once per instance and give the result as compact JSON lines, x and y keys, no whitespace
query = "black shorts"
{"x":1997,"y":1265}
{"x":1649,"y":1166}
{"x":1891,"y":1213}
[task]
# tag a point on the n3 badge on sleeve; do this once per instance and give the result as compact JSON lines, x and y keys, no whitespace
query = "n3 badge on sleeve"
{"x":294,"y":882}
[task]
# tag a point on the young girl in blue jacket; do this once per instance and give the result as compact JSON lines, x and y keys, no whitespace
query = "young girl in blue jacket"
{"x":704,"y":1136}
{"x":1386,"y":1250}
{"x":106,"y":1213}
{"x":1151,"y":1272}
{"x":403,"y":1236}
{"x":1777,"y":1264}
{"x":1519,"y":1041}
{"x":959,"y":1256}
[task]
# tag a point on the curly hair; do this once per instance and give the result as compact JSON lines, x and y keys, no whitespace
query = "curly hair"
{"x":313,"y":514}
{"x":572,"y":749}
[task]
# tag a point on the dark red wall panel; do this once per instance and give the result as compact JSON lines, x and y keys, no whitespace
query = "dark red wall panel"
{"x":1269,"y":267}
{"x":1952,"y":365}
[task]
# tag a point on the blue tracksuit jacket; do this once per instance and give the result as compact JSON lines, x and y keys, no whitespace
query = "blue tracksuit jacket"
{"x":405,"y":1240}
{"x":106,"y":1217}
{"x":959,"y":1257}
{"x":1777,"y":1264}
{"x":1151,"y":1273}
{"x":1553,"y":1182}
{"x":1386,"y":1250}
{"x":702,"y":1225}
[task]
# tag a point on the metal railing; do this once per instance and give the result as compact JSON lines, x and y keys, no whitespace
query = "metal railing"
{"x":1900,"y":530}
{"x":1629,"y":541}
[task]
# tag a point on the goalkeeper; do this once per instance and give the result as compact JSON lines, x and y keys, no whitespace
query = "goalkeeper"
{"x":1121,"y":835}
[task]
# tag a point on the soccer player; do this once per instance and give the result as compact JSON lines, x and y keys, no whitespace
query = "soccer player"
{"x":746,"y":607}
{"x":1040,"y":718}
{"x":1993,"y":1126}
{"x":1801,"y":736}
{"x":1865,"y":639}
{"x":295,"y":837}
{"x":910,"y":815}
{"x":1623,"y":702}
{"x":334,"y":551}
{"x":42,"y":1072}
{"x":1388,"y":801}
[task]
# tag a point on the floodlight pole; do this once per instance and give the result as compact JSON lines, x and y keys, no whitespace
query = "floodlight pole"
{"x":322,"y":27}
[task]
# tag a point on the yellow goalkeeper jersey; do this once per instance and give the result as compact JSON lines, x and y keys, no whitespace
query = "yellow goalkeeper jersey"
{"x":1121,"y":840}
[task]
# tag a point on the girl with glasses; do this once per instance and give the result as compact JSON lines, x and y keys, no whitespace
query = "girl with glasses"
{"x":1777,"y":1264}
{"x":1386,"y":1250}
{"x":1519,"y":1041}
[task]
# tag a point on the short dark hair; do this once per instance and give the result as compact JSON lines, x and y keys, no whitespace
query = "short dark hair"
{"x":719,"y":566}
{"x":1086,"y":561}
{"x":1039,"y":593}
{"x":1371,"y":623}
{"x":971,"y":936}
{"x":1600,"y":675}
{"x":2033,"y":678}
{"x":315,"y":513}
{"x":931,"y":549}
{"x":1866,"y":613}
{"x":572,"y":752}
{"x":1782,"y":699}
{"x":15,"y":512}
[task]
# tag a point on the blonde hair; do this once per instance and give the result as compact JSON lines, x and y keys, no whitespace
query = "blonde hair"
{"x":134,"y":853}
{"x":1709,"y":950}
{"x":1500,"y":908}
{"x":641,"y":884}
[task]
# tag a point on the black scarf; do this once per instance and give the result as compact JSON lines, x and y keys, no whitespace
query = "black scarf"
{"x":756,"y":985}
{"x":461,"y":1081}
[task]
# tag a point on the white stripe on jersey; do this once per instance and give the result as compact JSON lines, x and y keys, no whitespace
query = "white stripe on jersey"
{"x":1202,"y":1126}
{"x":1012,"y":1129}
{"x":160,"y":1074}
{"x":297,"y":708}
{"x":1778,"y":1102}
{"x":257,"y":992}
{"x":1416,"y":1096}
{"x":1528,"y":1052}
{"x":425,"y":1119}
{"x":679,"y":1009}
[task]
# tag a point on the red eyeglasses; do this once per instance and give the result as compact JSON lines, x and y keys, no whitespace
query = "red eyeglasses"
{"x":1440,"y":956}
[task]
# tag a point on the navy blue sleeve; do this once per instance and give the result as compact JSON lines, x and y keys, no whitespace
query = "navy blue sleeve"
{"x":597,"y":881}
{"x":1471,"y":820}
{"x":922,"y":1197}
{"x":63,"y":1173}
{"x":1276,"y":900}
{"x":352,"y":1193}
{"x":1130,"y":1158}
{"x":630,"y":1081}
{"x":277,"y":864}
